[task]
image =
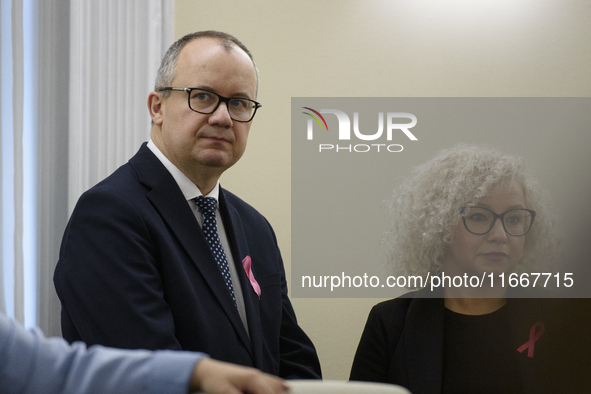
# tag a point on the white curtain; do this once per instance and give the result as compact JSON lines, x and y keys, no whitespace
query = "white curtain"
{"x":18,"y":136}
{"x":74,"y":79}
{"x":116,"y":50}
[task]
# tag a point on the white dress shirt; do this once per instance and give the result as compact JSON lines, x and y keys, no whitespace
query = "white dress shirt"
{"x":191,"y":191}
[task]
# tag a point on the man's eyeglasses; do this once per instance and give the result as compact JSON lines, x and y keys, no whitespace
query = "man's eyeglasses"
{"x":206,"y":102}
{"x":480,"y":220}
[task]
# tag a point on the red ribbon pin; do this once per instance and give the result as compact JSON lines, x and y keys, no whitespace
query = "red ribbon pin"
{"x":535,"y":333}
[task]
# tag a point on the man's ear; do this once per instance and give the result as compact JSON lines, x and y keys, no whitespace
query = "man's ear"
{"x":155,"y":104}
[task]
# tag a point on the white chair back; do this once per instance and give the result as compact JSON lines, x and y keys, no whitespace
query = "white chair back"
{"x":340,"y":387}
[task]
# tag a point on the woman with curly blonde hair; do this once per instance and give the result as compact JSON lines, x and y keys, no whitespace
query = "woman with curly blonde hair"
{"x":426,"y":208}
{"x":469,"y":211}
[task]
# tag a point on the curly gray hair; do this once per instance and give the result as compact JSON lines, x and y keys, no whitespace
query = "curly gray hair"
{"x":425,"y":208}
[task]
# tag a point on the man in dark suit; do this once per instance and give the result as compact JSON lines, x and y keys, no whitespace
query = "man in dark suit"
{"x":143,"y":263}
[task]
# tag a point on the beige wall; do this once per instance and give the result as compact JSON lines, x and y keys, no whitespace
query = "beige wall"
{"x":382,"y":48}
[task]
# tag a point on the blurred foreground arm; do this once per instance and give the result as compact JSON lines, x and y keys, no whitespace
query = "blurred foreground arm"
{"x":31,"y":363}
{"x":217,"y":377}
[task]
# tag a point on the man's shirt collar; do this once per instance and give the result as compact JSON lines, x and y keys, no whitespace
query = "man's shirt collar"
{"x":188,"y":188}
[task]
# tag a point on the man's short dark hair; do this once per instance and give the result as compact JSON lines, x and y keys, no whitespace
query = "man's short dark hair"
{"x":167,"y":69}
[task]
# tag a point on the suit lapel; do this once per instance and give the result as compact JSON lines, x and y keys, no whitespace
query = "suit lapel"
{"x":172,"y":207}
{"x":424,"y":344}
{"x":237,"y":237}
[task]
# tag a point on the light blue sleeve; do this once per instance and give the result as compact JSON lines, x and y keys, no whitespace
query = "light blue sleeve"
{"x":31,"y":363}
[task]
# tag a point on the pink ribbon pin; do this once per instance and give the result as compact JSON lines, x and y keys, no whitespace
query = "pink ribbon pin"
{"x":246,"y":263}
{"x":535,"y":332}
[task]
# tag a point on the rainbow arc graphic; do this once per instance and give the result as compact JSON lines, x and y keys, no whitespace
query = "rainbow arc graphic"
{"x":315,"y":118}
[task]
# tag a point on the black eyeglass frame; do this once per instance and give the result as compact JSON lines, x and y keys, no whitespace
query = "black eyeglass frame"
{"x":464,"y":212}
{"x":222,"y":99}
